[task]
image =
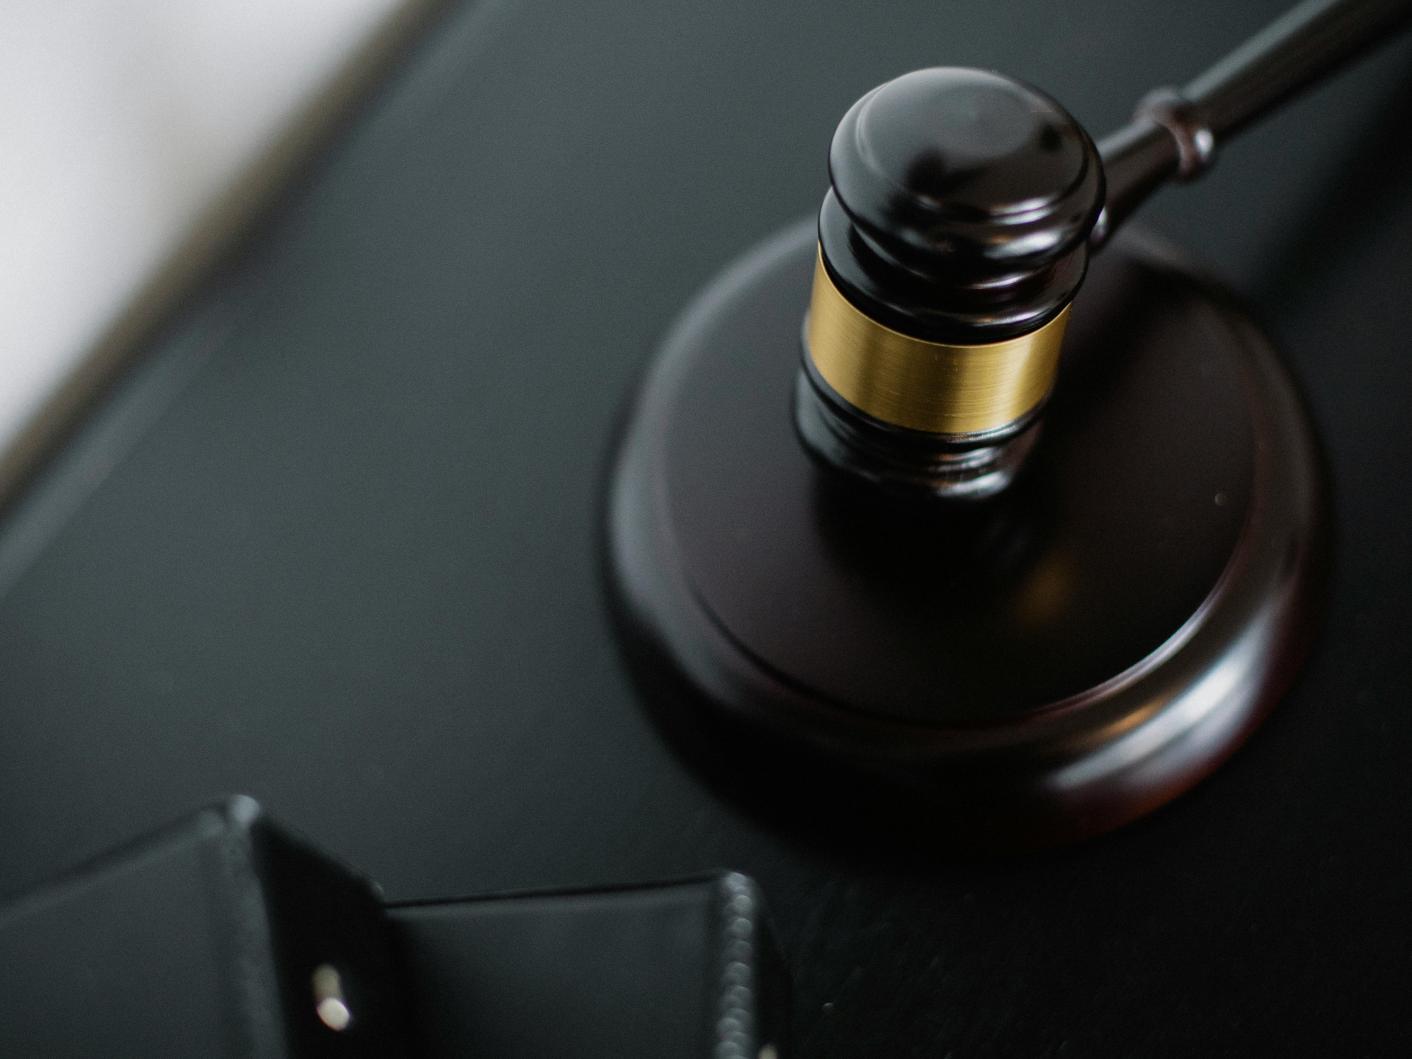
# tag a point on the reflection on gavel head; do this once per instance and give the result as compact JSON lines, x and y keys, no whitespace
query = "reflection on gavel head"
{"x":951,"y":245}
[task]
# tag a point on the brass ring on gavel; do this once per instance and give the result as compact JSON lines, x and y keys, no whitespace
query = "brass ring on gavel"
{"x":928,"y":386}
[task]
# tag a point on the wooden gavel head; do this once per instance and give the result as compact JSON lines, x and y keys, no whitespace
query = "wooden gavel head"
{"x":951,"y":244}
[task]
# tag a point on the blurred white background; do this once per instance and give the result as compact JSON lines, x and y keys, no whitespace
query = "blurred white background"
{"x":134,"y":138}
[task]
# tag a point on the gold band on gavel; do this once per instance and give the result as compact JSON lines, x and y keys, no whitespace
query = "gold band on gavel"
{"x":928,"y":386}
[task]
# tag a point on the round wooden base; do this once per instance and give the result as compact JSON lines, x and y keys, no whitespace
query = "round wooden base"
{"x":1039,"y":667}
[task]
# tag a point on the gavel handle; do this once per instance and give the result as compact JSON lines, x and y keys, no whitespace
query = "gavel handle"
{"x":1175,"y":132}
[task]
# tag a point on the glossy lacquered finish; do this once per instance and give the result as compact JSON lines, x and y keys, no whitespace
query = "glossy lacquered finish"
{"x":1039,"y":667}
{"x":960,"y":207}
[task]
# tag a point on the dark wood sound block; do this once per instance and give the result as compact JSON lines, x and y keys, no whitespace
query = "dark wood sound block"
{"x":1038,"y":667}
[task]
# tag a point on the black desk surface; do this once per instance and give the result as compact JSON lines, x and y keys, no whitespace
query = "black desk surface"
{"x":332,"y":540}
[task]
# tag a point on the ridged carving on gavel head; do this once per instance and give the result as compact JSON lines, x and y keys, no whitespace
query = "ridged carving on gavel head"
{"x":951,"y":243}
{"x":961,"y":205}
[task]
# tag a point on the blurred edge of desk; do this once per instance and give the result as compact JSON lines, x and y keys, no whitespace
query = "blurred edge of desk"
{"x":58,"y":369}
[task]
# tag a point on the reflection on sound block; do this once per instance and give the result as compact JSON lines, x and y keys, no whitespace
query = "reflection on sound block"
{"x":1041,"y":666}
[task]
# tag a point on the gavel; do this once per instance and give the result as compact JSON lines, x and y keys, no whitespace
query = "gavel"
{"x":964,"y":208}
{"x":1032,"y":636}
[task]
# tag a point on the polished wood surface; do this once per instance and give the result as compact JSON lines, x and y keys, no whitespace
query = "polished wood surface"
{"x":960,"y":205}
{"x":1038,"y":667}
